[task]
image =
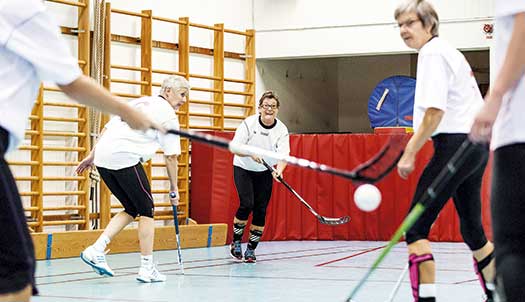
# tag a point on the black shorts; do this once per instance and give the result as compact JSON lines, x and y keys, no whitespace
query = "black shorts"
{"x":131,"y":187}
{"x":17,"y":256}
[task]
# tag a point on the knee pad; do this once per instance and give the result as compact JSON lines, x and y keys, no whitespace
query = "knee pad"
{"x":413,"y":263}
{"x":488,"y":288}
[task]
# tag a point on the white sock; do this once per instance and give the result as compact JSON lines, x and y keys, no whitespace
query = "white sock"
{"x":101,"y":243}
{"x":427,"y":290}
{"x":146,"y":261}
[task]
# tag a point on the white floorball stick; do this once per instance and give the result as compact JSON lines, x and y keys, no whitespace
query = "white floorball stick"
{"x":398,"y":285}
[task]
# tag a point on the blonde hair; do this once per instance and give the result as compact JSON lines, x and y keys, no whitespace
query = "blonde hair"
{"x":424,"y":11}
{"x":174,"y":82}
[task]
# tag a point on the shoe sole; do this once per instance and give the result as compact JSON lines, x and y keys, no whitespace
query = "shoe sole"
{"x":250,"y":261}
{"x":149,"y":281}
{"x":235,"y":258}
{"x":98,"y":270}
{"x":238,"y":259}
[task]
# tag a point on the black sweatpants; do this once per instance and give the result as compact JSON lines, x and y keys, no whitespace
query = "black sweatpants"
{"x":464,"y":187}
{"x":508,"y":210}
{"x":255,"y":191}
{"x":17,"y":255}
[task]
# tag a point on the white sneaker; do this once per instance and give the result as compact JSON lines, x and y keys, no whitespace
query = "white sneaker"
{"x":97,"y":260}
{"x":150,"y":274}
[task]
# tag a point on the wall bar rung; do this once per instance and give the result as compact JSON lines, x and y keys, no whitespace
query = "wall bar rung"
{"x":113,"y":80}
{"x":64,"y":149}
{"x":72,"y":3}
{"x":61,"y":104}
{"x":238,"y":105}
{"x":207,"y":77}
{"x":64,"y":193}
{"x":124,"y":12}
{"x":238,"y":81}
{"x":168,"y":20}
{"x":63,"y":178}
{"x":238,"y":92}
{"x":169,"y":72}
{"x":129,"y":68}
{"x":205,"y":26}
{"x":64,"y":119}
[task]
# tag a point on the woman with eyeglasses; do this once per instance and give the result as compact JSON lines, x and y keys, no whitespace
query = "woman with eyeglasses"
{"x":252,"y":180}
{"x":446,"y":100}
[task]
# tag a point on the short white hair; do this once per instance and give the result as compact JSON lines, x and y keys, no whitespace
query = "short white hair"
{"x":174,"y":82}
{"x":424,"y":11}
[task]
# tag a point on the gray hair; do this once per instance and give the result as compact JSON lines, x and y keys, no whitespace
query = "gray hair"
{"x":424,"y":11}
{"x":174,"y":82}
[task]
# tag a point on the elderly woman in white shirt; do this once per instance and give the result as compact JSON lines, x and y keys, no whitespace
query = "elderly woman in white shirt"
{"x":446,"y":99}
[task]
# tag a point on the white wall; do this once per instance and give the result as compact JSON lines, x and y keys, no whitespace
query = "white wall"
{"x":304,"y":28}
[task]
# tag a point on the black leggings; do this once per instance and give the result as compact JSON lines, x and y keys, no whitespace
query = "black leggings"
{"x":255,"y":191}
{"x":17,"y":255}
{"x":131,"y":187}
{"x":464,"y":187}
{"x":508,"y":208}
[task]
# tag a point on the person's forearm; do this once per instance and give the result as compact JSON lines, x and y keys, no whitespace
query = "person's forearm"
{"x":172,"y":168}
{"x":86,"y":91}
{"x":429,"y":124}
{"x":513,"y":66}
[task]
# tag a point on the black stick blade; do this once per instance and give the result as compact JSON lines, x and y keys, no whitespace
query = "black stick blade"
{"x":333,"y":221}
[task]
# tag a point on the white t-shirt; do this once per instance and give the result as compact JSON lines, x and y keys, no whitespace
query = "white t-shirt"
{"x":445,"y":81}
{"x":509,"y":127}
{"x":31,"y":51}
{"x":253,"y":132}
{"x":122,"y":147}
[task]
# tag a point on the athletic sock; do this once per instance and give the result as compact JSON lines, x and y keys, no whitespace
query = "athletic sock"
{"x":238,"y":231}
{"x":255,"y":237}
{"x":101,"y":243}
{"x":146,"y":261}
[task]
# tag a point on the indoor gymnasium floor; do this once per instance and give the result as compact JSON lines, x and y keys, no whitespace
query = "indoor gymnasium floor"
{"x":285,"y":271}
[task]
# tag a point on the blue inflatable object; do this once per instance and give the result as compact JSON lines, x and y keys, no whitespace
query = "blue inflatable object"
{"x":392,"y":101}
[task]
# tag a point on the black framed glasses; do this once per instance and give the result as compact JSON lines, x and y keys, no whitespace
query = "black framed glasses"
{"x":268,"y":106}
{"x":408,"y":23}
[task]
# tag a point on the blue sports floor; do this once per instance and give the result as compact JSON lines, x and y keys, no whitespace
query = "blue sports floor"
{"x":285,"y":271}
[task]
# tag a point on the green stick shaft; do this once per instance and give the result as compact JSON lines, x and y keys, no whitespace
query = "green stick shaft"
{"x":430,"y":194}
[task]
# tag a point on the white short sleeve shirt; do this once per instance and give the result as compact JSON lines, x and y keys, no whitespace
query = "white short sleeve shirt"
{"x":122,"y":147}
{"x":31,"y":51}
{"x":254,"y":133}
{"x":509,"y":127}
{"x":445,"y":81}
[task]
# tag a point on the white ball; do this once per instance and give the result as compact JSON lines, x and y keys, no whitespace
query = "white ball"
{"x":367,"y":197}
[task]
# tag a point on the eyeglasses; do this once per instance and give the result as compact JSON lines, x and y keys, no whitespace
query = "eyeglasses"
{"x":268,"y":106}
{"x":407,"y":23}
